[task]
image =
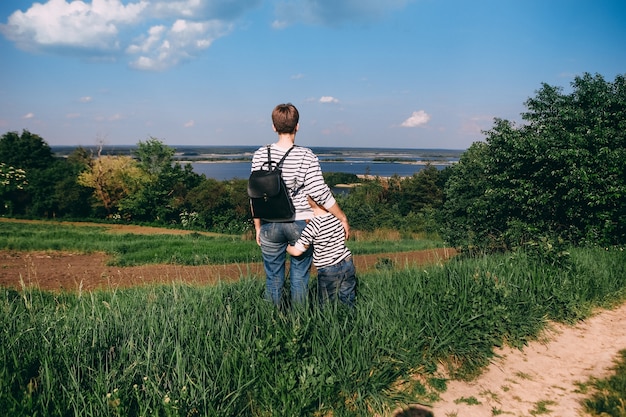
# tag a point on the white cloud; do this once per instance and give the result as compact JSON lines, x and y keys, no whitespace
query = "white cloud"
{"x":28,"y":116}
{"x":85,"y":99}
{"x":418,"y":118}
{"x":297,"y":76}
{"x":159,"y":34}
{"x":328,"y":99}
{"x":164,"y":48}
{"x":105,"y":29}
{"x":59,"y":25}
{"x":190,"y":123}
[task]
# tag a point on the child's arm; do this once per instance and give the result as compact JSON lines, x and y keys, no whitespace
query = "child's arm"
{"x":296,"y":250}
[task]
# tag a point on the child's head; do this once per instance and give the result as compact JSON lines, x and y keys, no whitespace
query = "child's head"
{"x":285,"y":118}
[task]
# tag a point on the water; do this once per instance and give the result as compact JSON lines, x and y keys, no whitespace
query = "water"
{"x":229,"y":170}
{"x":226,"y":162}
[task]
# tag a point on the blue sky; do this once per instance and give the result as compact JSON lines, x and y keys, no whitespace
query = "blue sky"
{"x":363,"y":73}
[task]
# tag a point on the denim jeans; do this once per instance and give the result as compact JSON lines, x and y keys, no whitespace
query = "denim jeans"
{"x":275,"y":236}
{"x":337,"y":281}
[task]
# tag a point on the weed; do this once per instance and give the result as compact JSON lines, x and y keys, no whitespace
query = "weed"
{"x":469,"y":401}
{"x":541,"y":407}
{"x":609,"y":394}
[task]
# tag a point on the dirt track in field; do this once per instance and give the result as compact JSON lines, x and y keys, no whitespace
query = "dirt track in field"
{"x":53,"y":270}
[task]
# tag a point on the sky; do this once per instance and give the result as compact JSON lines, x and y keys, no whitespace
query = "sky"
{"x":363,"y":73}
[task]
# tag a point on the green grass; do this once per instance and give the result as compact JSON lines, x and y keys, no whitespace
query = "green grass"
{"x":137,"y":249}
{"x":609,"y":396}
{"x":182,"y":350}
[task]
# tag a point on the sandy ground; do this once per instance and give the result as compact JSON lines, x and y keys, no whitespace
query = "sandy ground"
{"x":545,"y":375}
{"x":541,"y":379}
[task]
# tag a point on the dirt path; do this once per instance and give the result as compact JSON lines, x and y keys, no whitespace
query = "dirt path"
{"x":544,"y":375}
{"x":51,"y":270}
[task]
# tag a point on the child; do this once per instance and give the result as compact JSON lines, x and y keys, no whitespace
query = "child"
{"x":336,"y":275}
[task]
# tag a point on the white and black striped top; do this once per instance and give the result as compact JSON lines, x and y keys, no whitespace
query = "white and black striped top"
{"x":327,"y":236}
{"x":302,"y":175}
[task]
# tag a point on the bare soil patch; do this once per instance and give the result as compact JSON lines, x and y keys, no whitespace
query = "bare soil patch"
{"x":58,"y":270}
{"x":55,"y":270}
{"x":68,"y":271}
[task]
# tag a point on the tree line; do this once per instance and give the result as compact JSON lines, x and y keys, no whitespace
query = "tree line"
{"x":560,"y":175}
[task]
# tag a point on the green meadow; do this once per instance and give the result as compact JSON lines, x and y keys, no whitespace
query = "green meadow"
{"x":184,"y":350}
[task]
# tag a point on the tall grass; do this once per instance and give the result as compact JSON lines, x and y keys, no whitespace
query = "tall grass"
{"x":181,"y":350}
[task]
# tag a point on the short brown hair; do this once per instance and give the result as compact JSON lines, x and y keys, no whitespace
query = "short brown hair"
{"x":285,"y":118}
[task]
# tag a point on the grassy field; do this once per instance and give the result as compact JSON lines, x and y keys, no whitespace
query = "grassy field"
{"x":181,"y":350}
{"x":186,"y":249}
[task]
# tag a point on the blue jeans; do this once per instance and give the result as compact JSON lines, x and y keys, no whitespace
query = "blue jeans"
{"x":275,"y":236}
{"x":337,"y":281}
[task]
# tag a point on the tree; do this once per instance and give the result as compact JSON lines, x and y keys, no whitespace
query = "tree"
{"x":163,"y":191}
{"x":154,"y":157}
{"x":466,"y":214}
{"x":73,"y":199}
{"x":419,"y":191}
{"x":221,"y":205}
{"x":561,"y":174}
{"x":112,"y":178}
{"x":30,"y":153}
{"x":27,"y":151}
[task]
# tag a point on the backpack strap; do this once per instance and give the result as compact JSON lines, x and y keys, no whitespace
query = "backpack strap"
{"x":269,"y":162}
{"x":280,"y":163}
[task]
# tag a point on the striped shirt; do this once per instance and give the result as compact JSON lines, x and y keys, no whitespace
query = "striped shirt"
{"x":327,"y":235}
{"x":302,"y":174}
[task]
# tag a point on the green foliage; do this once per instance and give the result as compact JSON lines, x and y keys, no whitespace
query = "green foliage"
{"x":27,"y":151}
{"x":12,"y":180}
{"x":609,"y":395}
{"x":466,"y":216}
{"x":334,"y":178}
{"x":562,"y":174}
{"x":154,"y":157}
{"x":153,"y":188}
{"x":161,"y":197}
{"x":31,"y":155}
{"x":221,"y":205}
{"x":73,"y":200}
{"x":181,"y":350}
{"x":407,"y":204}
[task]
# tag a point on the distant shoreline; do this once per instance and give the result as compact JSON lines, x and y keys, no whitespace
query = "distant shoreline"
{"x":234,"y":161}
